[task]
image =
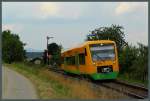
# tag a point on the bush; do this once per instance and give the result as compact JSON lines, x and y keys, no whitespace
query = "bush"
{"x":134,"y":62}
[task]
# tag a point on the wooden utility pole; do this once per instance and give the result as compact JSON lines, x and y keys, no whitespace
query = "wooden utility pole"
{"x":47,"y":49}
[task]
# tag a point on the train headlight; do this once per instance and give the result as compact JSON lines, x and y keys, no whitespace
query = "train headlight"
{"x":106,"y":69}
{"x":94,"y":63}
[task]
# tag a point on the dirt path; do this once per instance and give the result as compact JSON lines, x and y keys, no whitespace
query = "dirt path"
{"x":16,"y":86}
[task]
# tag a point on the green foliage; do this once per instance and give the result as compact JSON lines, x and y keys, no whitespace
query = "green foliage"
{"x":114,"y":32}
{"x":12,"y":47}
{"x":140,"y":64}
{"x":134,"y":62}
{"x":55,"y":51}
{"x":126,"y":58}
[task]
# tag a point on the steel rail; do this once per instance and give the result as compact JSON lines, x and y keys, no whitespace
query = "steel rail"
{"x":136,"y":91}
{"x":129,"y":93}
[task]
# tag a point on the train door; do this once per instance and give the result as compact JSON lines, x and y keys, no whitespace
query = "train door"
{"x":82,"y":60}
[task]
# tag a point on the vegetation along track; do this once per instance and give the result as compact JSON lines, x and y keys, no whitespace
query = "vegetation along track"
{"x":134,"y":91}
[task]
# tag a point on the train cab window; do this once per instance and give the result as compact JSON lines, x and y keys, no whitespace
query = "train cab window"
{"x":70,"y":60}
{"x":82,"y":59}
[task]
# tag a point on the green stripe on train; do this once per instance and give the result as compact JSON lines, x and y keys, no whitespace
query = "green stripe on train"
{"x":101,"y":76}
{"x":97,"y":76}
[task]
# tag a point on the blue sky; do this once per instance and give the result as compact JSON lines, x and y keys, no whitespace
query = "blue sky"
{"x":70,"y":22}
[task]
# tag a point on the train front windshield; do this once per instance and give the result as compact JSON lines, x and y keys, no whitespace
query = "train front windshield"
{"x":102,"y":52}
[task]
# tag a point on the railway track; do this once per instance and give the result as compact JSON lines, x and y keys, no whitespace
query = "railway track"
{"x":133,"y":91}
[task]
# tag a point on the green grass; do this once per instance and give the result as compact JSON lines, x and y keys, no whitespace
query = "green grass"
{"x":51,"y":85}
{"x":42,"y":82}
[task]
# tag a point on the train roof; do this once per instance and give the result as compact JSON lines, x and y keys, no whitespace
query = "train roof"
{"x":88,"y":42}
{"x":99,"y":41}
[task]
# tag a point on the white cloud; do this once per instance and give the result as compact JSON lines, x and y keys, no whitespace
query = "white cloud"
{"x":46,"y":10}
{"x":49,"y":9}
{"x":13,"y":27}
{"x":60,"y":10}
{"x":125,"y":7}
{"x":7,"y":27}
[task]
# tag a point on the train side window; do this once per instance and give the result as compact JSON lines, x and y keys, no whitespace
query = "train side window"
{"x":73,"y":60}
{"x":65,"y":60}
{"x":82,"y":59}
{"x":62,"y":59}
{"x":70,"y":60}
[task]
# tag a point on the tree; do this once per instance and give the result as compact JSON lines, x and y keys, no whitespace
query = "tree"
{"x":55,"y":51}
{"x":114,"y":33}
{"x":134,"y":62}
{"x":126,"y":58}
{"x":12,"y":47}
{"x":140,"y":64}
